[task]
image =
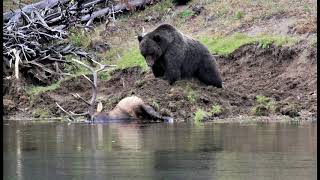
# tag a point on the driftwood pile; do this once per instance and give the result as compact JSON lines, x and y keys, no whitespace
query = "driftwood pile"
{"x":34,"y":36}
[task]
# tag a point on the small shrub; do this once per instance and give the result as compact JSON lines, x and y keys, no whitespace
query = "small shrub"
{"x":36,"y":90}
{"x":215,"y":110}
{"x":185,"y":14}
{"x":74,"y":68}
{"x":191,"y":95}
{"x":104,"y":75}
{"x":264,"y":106}
{"x":314,"y":44}
{"x":239,"y":15}
{"x":155,"y":105}
{"x":306,"y":9}
{"x":41,"y":113}
{"x":199,"y":115}
{"x":262,"y":100}
{"x":162,"y":8}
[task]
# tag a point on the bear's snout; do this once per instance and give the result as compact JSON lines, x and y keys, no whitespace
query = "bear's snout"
{"x":150,"y":61}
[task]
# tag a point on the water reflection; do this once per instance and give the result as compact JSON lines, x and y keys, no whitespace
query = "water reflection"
{"x":159,"y":151}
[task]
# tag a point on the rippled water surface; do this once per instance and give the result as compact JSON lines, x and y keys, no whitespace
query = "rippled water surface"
{"x":159,"y":151}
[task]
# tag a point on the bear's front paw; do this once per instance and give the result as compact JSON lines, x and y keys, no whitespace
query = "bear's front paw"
{"x":171,"y":81}
{"x":164,"y":78}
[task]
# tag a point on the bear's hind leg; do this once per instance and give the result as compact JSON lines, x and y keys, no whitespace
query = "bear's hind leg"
{"x":210,"y":76}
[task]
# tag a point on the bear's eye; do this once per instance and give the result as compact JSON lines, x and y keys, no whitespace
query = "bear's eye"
{"x":156,"y":38}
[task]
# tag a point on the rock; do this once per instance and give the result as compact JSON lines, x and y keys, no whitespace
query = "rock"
{"x":165,"y":112}
{"x":172,"y":106}
{"x":205,"y":99}
{"x":197,"y":9}
{"x":290,"y":110}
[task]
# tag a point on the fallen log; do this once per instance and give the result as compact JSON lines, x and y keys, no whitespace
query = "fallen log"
{"x":15,"y":14}
{"x":119,"y":7}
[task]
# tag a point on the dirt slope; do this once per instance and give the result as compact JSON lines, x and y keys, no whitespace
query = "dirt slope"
{"x":286,"y":74}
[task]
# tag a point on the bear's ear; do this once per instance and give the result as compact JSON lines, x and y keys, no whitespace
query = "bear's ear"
{"x":140,"y":38}
{"x":156,"y":38}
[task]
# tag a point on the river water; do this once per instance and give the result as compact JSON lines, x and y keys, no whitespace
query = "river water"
{"x":58,"y":151}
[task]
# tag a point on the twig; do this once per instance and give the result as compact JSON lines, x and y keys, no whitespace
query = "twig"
{"x":69,"y":115}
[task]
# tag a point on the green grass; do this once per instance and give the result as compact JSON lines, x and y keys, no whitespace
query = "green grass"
{"x":262,"y":99}
{"x":313,"y":42}
{"x":79,"y":37}
{"x":161,"y":7}
{"x":36,"y":90}
{"x":185,"y":14}
{"x":104,"y":75}
{"x":74,"y":68}
{"x":226,"y":45}
{"x":41,"y":113}
{"x":109,"y":55}
{"x":132,"y":58}
{"x":307,"y":8}
{"x":129,"y":59}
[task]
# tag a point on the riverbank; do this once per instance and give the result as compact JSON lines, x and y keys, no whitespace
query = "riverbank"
{"x":268,"y":64}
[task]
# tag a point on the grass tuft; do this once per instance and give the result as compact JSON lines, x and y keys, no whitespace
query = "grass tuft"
{"x":79,"y":37}
{"x":191,"y":94}
{"x":199,"y":115}
{"x":215,"y":110}
{"x":41,"y":113}
{"x":264,"y":106}
{"x":239,"y":15}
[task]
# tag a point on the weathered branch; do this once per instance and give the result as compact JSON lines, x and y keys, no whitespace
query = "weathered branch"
{"x":93,"y":85}
{"x":32,"y":28}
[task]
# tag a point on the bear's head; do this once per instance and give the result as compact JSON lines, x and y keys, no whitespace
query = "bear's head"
{"x":154,"y":44}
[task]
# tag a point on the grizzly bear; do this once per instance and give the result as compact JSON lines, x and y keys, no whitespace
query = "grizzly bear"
{"x":174,"y":56}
